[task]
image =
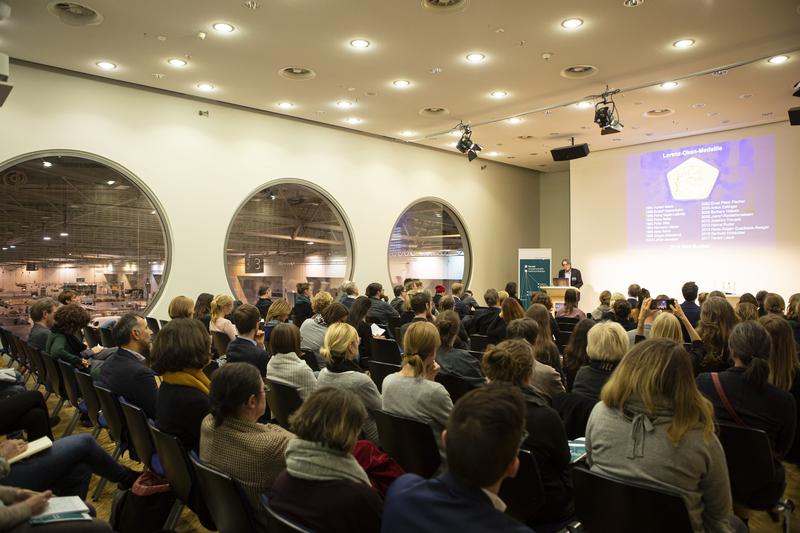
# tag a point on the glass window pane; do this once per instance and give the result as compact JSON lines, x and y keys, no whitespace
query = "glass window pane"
{"x":287,"y":233}
{"x":71,"y":222}
{"x":429,"y":242}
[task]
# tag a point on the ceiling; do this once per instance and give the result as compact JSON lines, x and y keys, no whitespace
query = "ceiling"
{"x":525,"y":50}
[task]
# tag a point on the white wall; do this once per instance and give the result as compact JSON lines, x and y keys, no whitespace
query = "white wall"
{"x":554,"y":219}
{"x":201,"y":169}
{"x":600,"y":240}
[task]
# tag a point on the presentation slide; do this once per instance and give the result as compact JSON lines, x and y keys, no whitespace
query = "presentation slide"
{"x":703,"y":197}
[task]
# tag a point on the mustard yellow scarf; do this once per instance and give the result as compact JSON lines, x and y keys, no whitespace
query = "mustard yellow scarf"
{"x":188,"y":377}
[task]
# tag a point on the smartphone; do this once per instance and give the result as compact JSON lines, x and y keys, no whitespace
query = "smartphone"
{"x":662,"y":304}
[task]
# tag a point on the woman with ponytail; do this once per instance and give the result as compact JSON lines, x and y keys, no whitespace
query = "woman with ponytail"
{"x":743,"y":395}
{"x":412,"y":392}
{"x":452,"y":360}
{"x":222,"y":305}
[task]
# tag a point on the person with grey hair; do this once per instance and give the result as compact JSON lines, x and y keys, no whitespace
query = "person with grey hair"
{"x":742,"y":395}
{"x":43,"y":313}
{"x":349,"y":293}
{"x":607,"y":342}
{"x":125,"y":372}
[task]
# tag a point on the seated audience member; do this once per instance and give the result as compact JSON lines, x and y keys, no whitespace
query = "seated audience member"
{"x":510,"y":310}
{"x":485,"y":316}
{"x":412,"y":392}
{"x":719,"y":294}
{"x":320,"y":468}
{"x":604,"y":307}
{"x":248,"y":346}
{"x":126,"y":372}
{"x":439,"y":291}
{"x":278,"y":314}
{"x":575,"y":352}
{"x":43,"y":314}
{"x":312,"y":330}
{"x":797,"y":325}
{"x":570,"y":308}
{"x":454,"y":361}
{"x":717,"y":319}
{"x":470,"y":303}
{"x":511,"y":289}
{"x":18,"y":506}
{"x":264,"y":301}
{"x":633,"y":295}
{"x":340,"y":352}
{"x":690,"y":309}
{"x":544,"y":378}
{"x":26,"y":412}
{"x":746,"y":311}
{"x":774,"y":304}
{"x":456,"y":290}
{"x":748,"y":298}
{"x":502,"y":296}
{"x":285,"y":363}
{"x":606,"y":344}
{"x":421,"y":306}
{"x":743,"y":395}
{"x":358,"y":319}
{"x":622,"y":315}
{"x":448,"y":303}
{"x":350,"y":290}
{"x":202,"y":309}
{"x":792,"y":309}
{"x":406,"y":315}
{"x":651,"y":418}
{"x":181,"y":307}
{"x":643,"y":294}
{"x":511,"y":362}
{"x":644,"y":321}
{"x":232,"y":440}
{"x":222,"y":306}
{"x":760,"y":296}
{"x":483,"y":439}
{"x":180,"y":352}
{"x":543,"y":298}
{"x":379,"y":312}
{"x":701,"y":299}
{"x":69,"y":297}
{"x":302,"y":304}
{"x":544,"y":349}
{"x":64,"y":342}
{"x":399,"y":298}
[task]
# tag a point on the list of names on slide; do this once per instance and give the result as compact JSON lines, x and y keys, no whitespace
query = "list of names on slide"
{"x":723,"y":221}
{"x":662,"y":223}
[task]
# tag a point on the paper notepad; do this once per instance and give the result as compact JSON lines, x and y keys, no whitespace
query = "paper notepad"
{"x":34,"y":447}
{"x":377,"y":331}
{"x":577,"y":449}
{"x":64,"y":509}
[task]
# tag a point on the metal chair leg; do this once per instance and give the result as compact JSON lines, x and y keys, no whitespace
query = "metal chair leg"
{"x":174,"y":516}
{"x":96,"y":431}
{"x":72,"y":423}
{"x":58,"y":407}
{"x":102,"y":483}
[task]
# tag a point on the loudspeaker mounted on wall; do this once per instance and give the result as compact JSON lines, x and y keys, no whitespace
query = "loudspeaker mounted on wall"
{"x":794,"y":116}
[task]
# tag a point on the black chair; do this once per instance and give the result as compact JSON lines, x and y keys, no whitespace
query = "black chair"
{"x":153,"y":324}
{"x":574,"y":410}
{"x":91,"y":336}
{"x":221,"y":341}
{"x":410,"y":442}
{"x":38,"y":368}
{"x":22,"y":356}
{"x":478,"y":343}
{"x":524,"y":493}
{"x":90,"y":398}
{"x":55,"y":382}
{"x":562,"y":339}
{"x":566,"y":324}
{"x":106,"y":339}
{"x":177,"y":470}
{"x":311,"y":359}
{"x":608,"y":505}
{"x":386,"y":351}
{"x":163,"y":322}
{"x":378,"y":371}
{"x":280,"y":524}
{"x":73,"y":394}
{"x":141,"y":439}
{"x":455,"y":386}
{"x":226,"y":501}
{"x":109,"y":406}
{"x":283,"y":400}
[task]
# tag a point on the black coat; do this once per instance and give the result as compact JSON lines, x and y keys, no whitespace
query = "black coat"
{"x":575,"y":277}
{"x":179,"y":411}
{"x":243,"y":351}
{"x":126,"y":376}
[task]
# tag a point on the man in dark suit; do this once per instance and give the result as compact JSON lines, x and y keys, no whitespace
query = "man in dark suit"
{"x":125,"y":372}
{"x":484,"y":316}
{"x":248,"y":346}
{"x":460,"y":306}
{"x":379,"y":311}
{"x":43,"y":312}
{"x":690,"y":309}
{"x":573,"y":275}
{"x":264,"y":300}
{"x":421,"y":305}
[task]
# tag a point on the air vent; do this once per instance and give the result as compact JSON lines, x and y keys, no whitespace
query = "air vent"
{"x":15,"y":178}
{"x":578,"y":71}
{"x":445,"y":6}
{"x":297,"y":73}
{"x":656,"y":113}
{"x":75,"y":14}
{"x":434,"y":111}
{"x":523,"y":138}
{"x":632,"y":3}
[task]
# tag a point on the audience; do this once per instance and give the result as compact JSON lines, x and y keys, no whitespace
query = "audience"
{"x":633,"y":295}
{"x":412,"y":392}
{"x":636,"y":309}
{"x":460,"y":308}
{"x":232,"y":440}
{"x":485,"y":316}
{"x":622,"y":315}
{"x":181,"y":307}
{"x":653,"y":426}
{"x":793,"y":309}
{"x":286,"y":364}
{"x":470,"y":303}
{"x":701,"y":299}
{"x":748,"y":298}
{"x":542,"y":297}
{"x":575,"y":355}
{"x":774,"y":304}
{"x":221,"y":306}
{"x":421,"y":306}
{"x":570,"y":308}
{"x":510,"y":310}
{"x":180,"y":352}
{"x":202,"y":308}
{"x":64,"y":342}
{"x":248,"y":346}
{"x":278,"y":313}
{"x":746,"y":311}
{"x":511,"y":290}
{"x":483,"y":439}
{"x":302,"y":304}
{"x":350,"y":290}
{"x":544,"y":378}
{"x":312,"y":332}
{"x":607,"y":342}
{"x":264,"y":301}
{"x":323,"y":487}
{"x":358,"y":319}
{"x":760,"y":296}
{"x":454,"y":361}
{"x":43,"y":314}
{"x":604,"y":307}
{"x":379,"y":311}
{"x":690,"y":309}
{"x":717,"y":320}
{"x":399,"y":298}
{"x":544,"y":349}
{"x":502,"y":296}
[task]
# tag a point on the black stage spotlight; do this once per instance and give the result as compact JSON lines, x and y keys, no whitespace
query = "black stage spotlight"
{"x":606,"y":116}
{"x":465,"y":144}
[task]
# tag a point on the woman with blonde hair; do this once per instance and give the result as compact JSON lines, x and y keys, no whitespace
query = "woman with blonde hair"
{"x":222,"y":305}
{"x":717,"y":320}
{"x":412,"y":392}
{"x":651,"y":418}
{"x":181,"y":307}
{"x":502,"y":296}
{"x":606,"y":343}
{"x":278,"y":313}
{"x":340,"y":351}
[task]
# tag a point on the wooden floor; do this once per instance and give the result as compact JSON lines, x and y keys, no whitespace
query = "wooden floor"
{"x":759,"y":522}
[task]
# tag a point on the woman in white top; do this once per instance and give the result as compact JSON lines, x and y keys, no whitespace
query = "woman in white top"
{"x":222,"y":305}
{"x":285,"y":363}
{"x":412,"y":392}
{"x":340,"y":350}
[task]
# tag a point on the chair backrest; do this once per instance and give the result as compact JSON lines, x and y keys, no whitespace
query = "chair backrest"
{"x":70,"y":382}
{"x":311,"y":359}
{"x":283,"y":400}
{"x":19,"y":351}
{"x":221,"y":341}
{"x":410,"y":442}
{"x":175,"y":461}
{"x":55,"y":383}
{"x":455,"y":386}
{"x":280,"y":524}
{"x":562,"y":339}
{"x":163,"y":322}
{"x":139,"y":432}
{"x":386,"y":351}
{"x":106,"y":338}
{"x":378,"y":372}
{"x":153,"y":324}
{"x":749,"y":457}
{"x":524,"y":493}
{"x":566,"y":324}
{"x":478,"y":342}
{"x":607,"y":505}
{"x":225,"y":498}
{"x":112,"y":412}
{"x":574,"y":410}
{"x":89,"y":395}
{"x":35,"y":358}
{"x":91,"y":336}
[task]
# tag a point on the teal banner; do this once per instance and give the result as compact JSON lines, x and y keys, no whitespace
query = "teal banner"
{"x":533,"y":273}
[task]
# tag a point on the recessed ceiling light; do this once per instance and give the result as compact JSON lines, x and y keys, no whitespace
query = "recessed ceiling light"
{"x":407,"y":133}
{"x":745,"y":96}
{"x":285,"y":105}
{"x":223,"y":27}
{"x":64,"y":234}
{"x":698,"y":105}
{"x":571,"y":24}
{"x":475,"y":57}
{"x":110,"y":182}
{"x":106,"y":65}
{"x":493,"y":154}
{"x":584,"y":105}
{"x":47,"y":164}
{"x":206,"y":87}
{"x":310,"y":243}
{"x":683,"y":43}
{"x":45,"y":238}
{"x":344,"y":104}
{"x":777,"y":60}
{"x":352,"y":120}
{"x":359,"y":43}
{"x":712,"y":113}
{"x":177,"y":62}
{"x":4,"y":248}
{"x":498,"y":94}
{"x":667,"y":85}
{"x":514,"y":120}
{"x":401,"y":84}
{"x":153,"y":212}
{"x":12,"y":246}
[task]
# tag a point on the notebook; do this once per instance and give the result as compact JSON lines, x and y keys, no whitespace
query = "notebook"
{"x":577,"y":449}
{"x":66,"y":509}
{"x":34,"y":447}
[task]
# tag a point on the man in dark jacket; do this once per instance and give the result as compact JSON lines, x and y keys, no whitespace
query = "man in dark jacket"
{"x":248,"y":346}
{"x":302,"y":304}
{"x":485,"y":316}
{"x":264,"y":300}
{"x":573,"y":275}
{"x":43,"y":312}
{"x":379,"y":310}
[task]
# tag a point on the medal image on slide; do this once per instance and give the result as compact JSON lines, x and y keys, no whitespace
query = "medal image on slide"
{"x":693,"y":179}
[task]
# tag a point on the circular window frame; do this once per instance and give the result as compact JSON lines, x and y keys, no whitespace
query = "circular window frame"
{"x":460,"y":224}
{"x":350,"y":249}
{"x":166,"y":229}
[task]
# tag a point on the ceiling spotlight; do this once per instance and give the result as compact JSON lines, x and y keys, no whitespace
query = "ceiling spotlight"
{"x":777,"y":60}
{"x":475,"y":57}
{"x":493,"y":154}
{"x":223,"y":27}
{"x":110,"y":182}
{"x":359,"y":43}
{"x":571,"y":24}
{"x":177,"y":62}
{"x":47,"y":164}
{"x":606,"y":116}
{"x":4,"y":248}
{"x":514,"y":120}
{"x":153,"y":212}
{"x":401,"y":84}
{"x":683,"y":43}
{"x":344,"y":104}
{"x":310,"y":243}
{"x":106,"y":65}
{"x":667,"y":85}
{"x":498,"y":94}
{"x":584,"y":105}
{"x":407,"y":133}
{"x":12,"y":246}
{"x":45,"y":238}
{"x":206,"y":87}
{"x":352,"y":120}
{"x":64,"y":234}
{"x":465,"y":144}
{"x":285,"y":105}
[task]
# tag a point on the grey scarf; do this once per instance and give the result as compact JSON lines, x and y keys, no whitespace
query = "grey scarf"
{"x":311,"y":460}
